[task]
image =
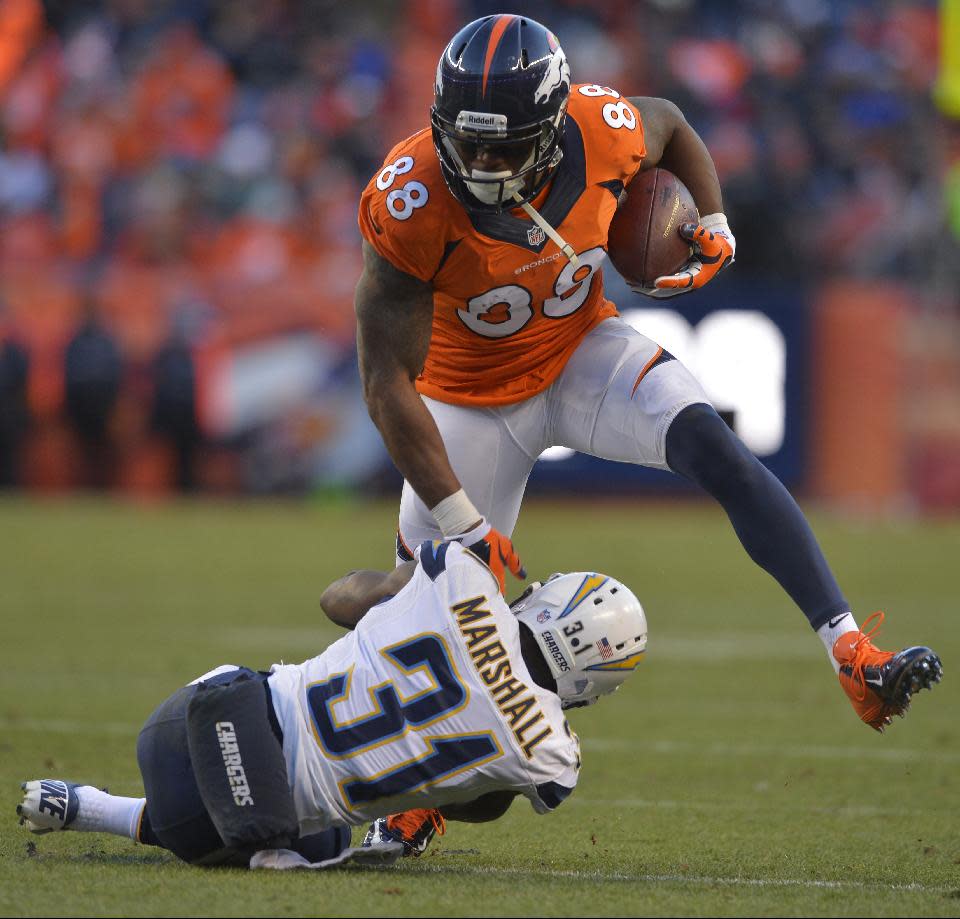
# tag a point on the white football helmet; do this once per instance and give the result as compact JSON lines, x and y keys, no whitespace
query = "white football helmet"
{"x":591,"y":630}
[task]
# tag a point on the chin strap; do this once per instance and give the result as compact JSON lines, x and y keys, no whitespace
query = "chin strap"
{"x":535,"y":216}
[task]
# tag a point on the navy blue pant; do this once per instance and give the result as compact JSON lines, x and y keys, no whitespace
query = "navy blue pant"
{"x":176,"y":817}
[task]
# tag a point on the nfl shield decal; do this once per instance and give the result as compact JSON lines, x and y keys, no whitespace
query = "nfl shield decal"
{"x":535,"y":236}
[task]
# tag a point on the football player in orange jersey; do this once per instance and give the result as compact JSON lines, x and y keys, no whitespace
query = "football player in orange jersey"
{"x":484,"y":335}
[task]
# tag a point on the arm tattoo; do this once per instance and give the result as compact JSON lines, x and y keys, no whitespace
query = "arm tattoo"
{"x":394,"y":318}
{"x":394,"y":322}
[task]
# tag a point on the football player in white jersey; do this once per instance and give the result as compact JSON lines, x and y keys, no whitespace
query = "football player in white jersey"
{"x":441,"y":702}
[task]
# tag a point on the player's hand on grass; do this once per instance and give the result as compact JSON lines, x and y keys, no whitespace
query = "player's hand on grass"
{"x":714,"y":247}
{"x":496,"y":550}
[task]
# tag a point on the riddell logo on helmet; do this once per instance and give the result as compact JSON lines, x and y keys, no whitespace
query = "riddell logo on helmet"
{"x":488,"y":122}
{"x":555,"y":651}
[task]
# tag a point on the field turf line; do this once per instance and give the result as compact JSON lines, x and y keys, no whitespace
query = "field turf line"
{"x":682,"y":879}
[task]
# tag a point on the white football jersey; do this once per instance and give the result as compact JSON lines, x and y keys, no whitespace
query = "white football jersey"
{"x":428,"y":702}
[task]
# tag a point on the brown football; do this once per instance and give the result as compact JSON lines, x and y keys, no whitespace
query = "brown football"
{"x":643,"y":242}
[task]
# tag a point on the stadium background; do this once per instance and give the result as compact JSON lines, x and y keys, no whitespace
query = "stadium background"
{"x":178,"y":250}
{"x":178,"y":240}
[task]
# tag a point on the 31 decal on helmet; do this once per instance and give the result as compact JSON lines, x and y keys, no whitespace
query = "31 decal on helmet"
{"x":590,"y":628}
{"x":501,"y":93}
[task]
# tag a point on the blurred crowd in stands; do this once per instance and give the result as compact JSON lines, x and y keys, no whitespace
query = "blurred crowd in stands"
{"x":182,"y":175}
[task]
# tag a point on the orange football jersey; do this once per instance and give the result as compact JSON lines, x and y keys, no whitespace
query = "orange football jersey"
{"x":509,"y":309}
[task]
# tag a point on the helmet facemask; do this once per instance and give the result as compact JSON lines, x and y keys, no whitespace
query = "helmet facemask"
{"x":529,"y":154}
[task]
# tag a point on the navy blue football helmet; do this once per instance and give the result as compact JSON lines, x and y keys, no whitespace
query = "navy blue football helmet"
{"x":501,"y":93}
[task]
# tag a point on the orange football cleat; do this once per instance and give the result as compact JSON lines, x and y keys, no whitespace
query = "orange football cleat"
{"x":414,"y":828}
{"x":880,"y":684}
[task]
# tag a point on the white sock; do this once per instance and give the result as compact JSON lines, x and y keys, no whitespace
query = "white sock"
{"x":831,"y":630}
{"x":99,"y":812}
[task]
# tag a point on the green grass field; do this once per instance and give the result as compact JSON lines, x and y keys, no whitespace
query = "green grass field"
{"x":728,"y":777}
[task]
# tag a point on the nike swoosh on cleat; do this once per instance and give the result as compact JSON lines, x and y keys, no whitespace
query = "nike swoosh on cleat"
{"x":876,"y":682}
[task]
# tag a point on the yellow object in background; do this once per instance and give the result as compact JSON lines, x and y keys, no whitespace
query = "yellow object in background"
{"x":947,"y":90}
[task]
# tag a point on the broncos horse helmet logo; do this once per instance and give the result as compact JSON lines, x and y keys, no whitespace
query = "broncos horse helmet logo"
{"x":558,"y":72}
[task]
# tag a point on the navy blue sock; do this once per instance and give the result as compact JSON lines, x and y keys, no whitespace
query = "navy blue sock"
{"x":146,"y":835}
{"x":767,"y":520}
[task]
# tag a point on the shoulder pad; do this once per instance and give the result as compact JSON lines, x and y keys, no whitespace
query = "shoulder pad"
{"x":612,"y":132}
{"x":405,"y":208}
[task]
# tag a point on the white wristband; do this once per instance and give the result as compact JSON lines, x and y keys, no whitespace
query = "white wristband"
{"x":455,"y":514}
{"x":716,"y":221}
{"x":476,"y":534}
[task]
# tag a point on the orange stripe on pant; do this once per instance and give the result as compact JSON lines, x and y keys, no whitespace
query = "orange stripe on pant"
{"x":645,"y":371}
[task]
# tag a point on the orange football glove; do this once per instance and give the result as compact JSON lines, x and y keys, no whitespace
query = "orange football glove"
{"x":713,"y":247}
{"x":495,"y":550}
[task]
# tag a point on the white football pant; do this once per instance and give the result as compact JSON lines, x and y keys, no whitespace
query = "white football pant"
{"x":615,"y":399}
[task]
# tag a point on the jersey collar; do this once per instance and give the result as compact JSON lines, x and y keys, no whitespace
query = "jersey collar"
{"x":566,"y":187}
